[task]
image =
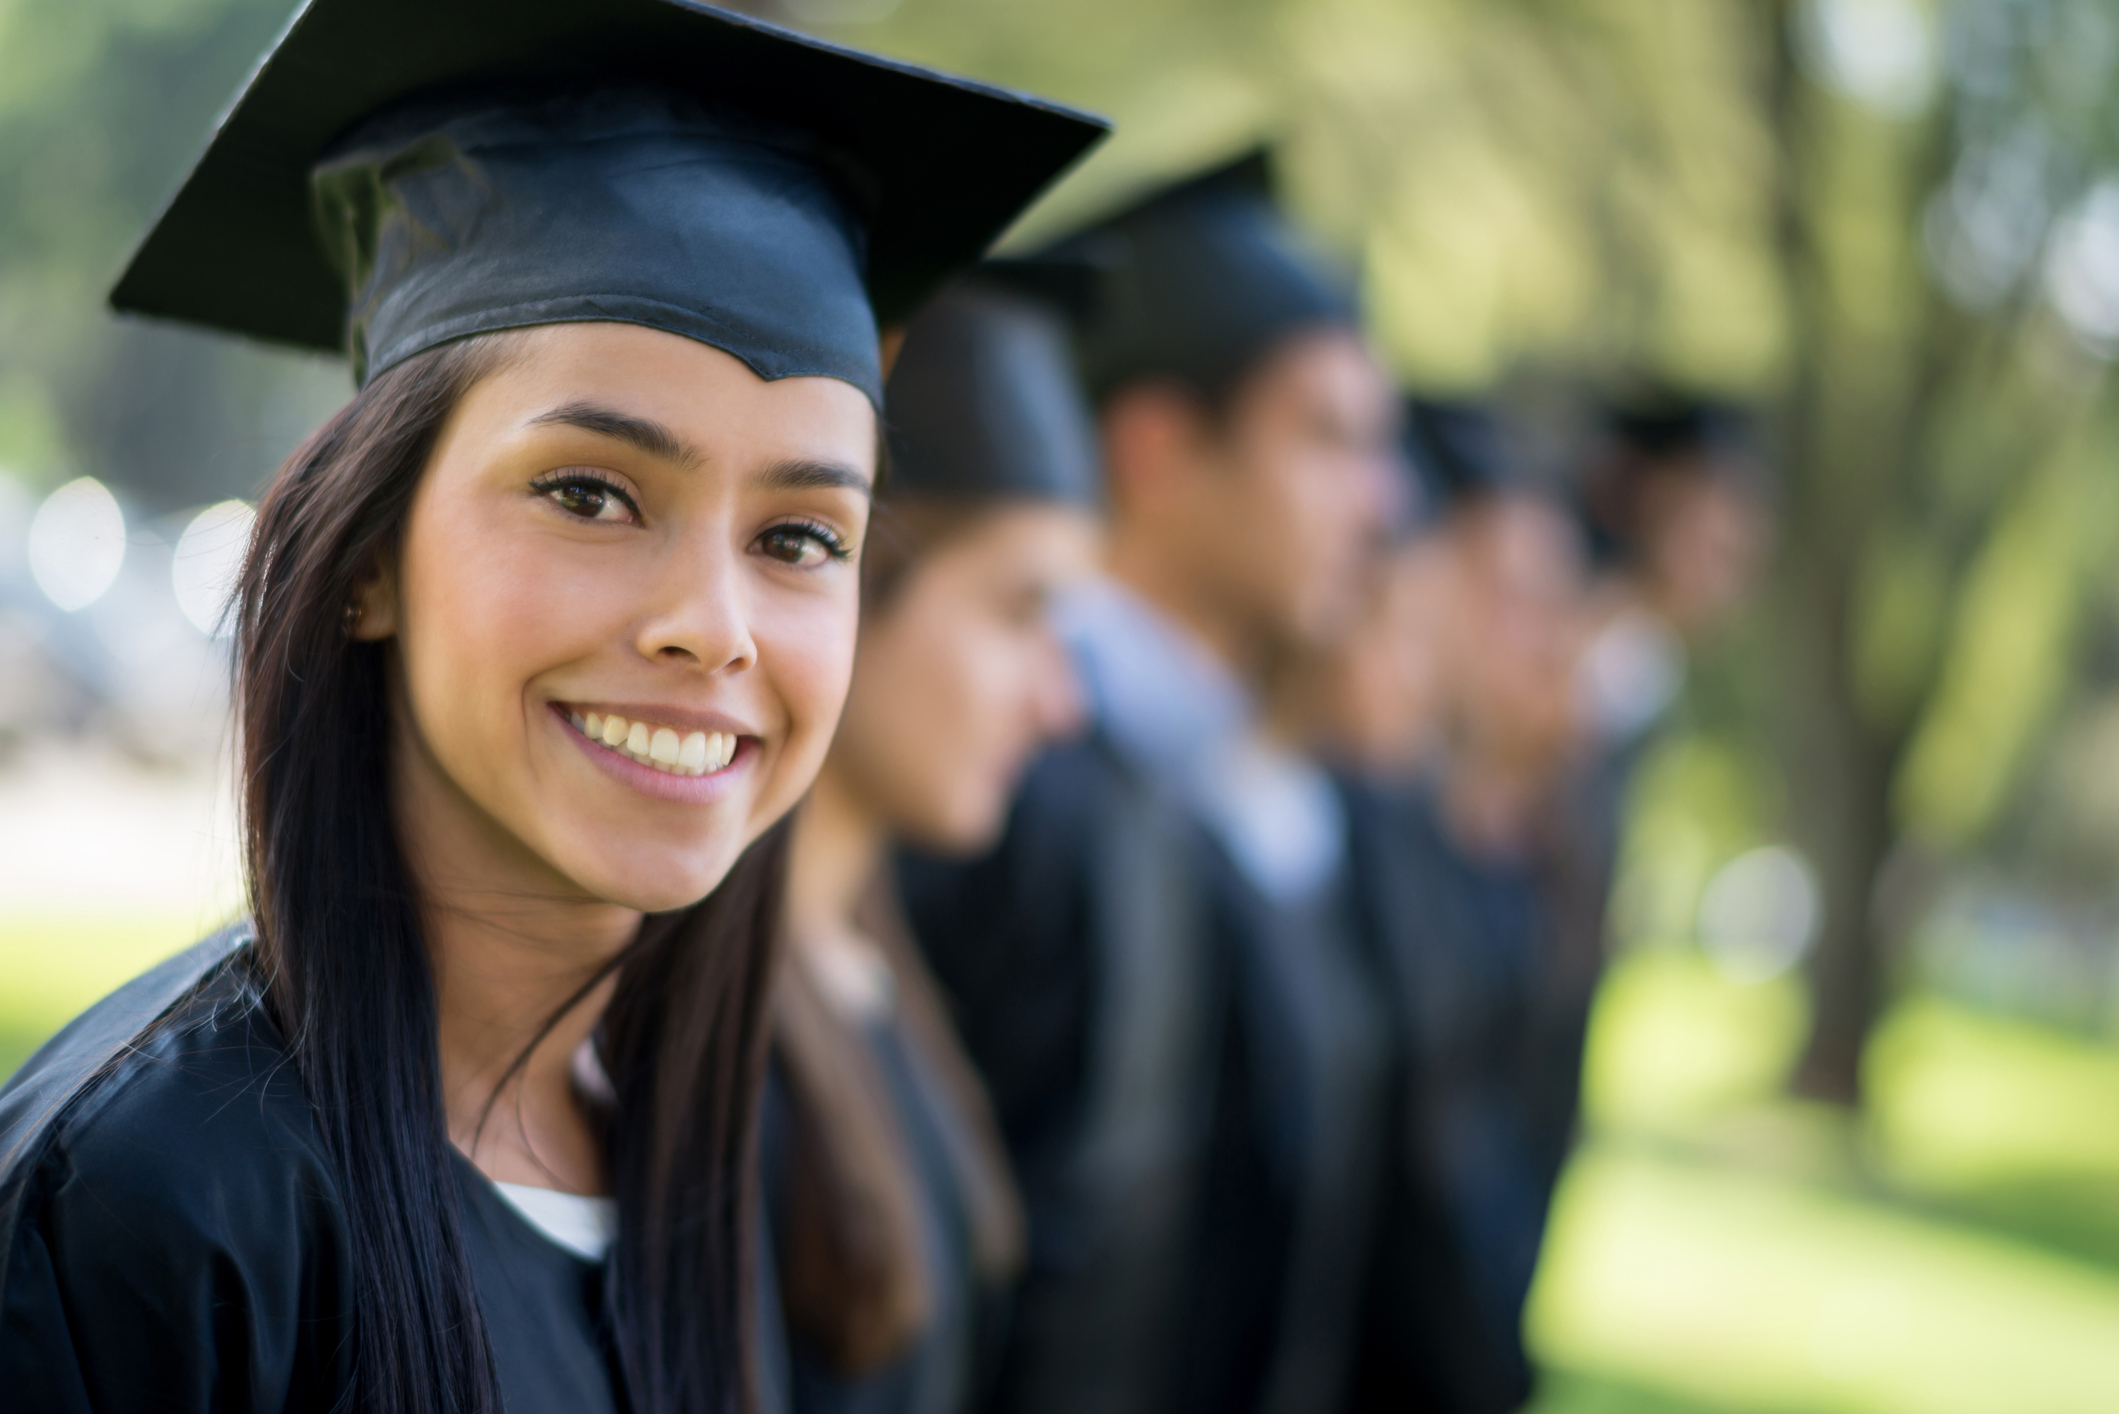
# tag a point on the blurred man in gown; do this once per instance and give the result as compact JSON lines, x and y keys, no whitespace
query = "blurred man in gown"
{"x":1157,"y":972}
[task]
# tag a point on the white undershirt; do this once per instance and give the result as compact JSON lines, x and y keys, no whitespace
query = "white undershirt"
{"x":581,"y":1225}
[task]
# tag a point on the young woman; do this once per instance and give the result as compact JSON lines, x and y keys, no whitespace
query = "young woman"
{"x":537,"y":641}
{"x":895,"y":1221}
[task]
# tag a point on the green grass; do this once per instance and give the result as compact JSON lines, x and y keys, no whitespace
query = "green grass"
{"x":52,"y":965}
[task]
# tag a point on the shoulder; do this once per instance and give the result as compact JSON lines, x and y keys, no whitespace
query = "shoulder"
{"x":187,"y":1129}
{"x":169,"y":1228}
{"x":203,"y":1107}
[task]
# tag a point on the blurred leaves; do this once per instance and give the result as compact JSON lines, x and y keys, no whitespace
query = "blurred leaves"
{"x":102,"y":103}
{"x":2008,"y":660}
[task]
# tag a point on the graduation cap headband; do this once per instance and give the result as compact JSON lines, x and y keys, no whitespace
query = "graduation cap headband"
{"x":983,"y":403}
{"x":1205,"y":278}
{"x":400,"y":173}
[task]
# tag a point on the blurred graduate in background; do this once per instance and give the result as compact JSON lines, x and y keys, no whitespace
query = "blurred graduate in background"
{"x":1450,"y":710}
{"x":1157,"y":971}
{"x":1487,"y":711}
{"x":895,"y":1226}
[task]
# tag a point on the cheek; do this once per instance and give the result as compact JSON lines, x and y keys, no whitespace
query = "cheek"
{"x":481,"y":613}
{"x":806,"y":654}
{"x":924,"y":718}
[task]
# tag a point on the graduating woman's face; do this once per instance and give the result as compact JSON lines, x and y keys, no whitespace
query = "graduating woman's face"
{"x":624,"y":607}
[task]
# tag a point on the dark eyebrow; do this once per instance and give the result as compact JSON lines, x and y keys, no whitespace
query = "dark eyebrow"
{"x":801,"y":475}
{"x":644,"y":433}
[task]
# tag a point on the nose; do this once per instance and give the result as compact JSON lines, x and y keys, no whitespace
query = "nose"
{"x":698,"y":611}
{"x":1062,"y":708}
{"x":1386,"y":497}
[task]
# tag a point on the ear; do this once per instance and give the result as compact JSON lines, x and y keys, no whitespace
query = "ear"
{"x":1152,"y":433}
{"x":372,"y":611}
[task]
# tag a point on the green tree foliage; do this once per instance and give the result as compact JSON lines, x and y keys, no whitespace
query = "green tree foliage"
{"x":102,"y":102}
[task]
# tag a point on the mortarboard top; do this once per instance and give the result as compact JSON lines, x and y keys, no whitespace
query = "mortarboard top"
{"x":1460,"y":449}
{"x":1205,"y":277}
{"x":984,"y":402}
{"x":692,"y":165}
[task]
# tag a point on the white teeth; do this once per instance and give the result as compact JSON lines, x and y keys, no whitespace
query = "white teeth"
{"x":690,"y":754}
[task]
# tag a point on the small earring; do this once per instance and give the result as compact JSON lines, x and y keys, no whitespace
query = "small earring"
{"x":352,"y":617}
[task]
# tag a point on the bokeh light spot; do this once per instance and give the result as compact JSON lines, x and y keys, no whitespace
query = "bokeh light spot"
{"x":1759,"y":914}
{"x":208,"y":558}
{"x":77,"y":543}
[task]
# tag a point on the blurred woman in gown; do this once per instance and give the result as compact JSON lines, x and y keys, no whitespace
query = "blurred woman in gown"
{"x":895,"y":1224}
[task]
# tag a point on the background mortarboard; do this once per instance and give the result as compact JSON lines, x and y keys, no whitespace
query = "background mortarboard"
{"x":984,"y":402}
{"x":1205,"y":277}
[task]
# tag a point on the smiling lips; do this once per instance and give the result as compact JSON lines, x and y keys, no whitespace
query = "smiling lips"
{"x":659,"y":748}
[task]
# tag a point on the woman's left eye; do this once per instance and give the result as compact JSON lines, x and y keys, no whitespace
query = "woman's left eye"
{"x":803,"y":545}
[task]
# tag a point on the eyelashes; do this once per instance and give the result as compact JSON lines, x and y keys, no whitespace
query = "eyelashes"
{"x":588,"y":495}
{"x":804,"y":543}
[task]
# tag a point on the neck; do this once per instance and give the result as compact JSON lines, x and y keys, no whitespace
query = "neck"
{"x":511,"y":944}
{"x":833,"y":856}
{"x":1142,"y":563}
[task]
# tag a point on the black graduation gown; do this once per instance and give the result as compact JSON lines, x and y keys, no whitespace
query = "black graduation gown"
{"x":936,"y":1374}
{"x":171,"y":1238}
{"x":1489,"y":1019}
{"x":1186,"y":1075}
{"x":1080,"y":974}
{"x":1298,"y":1152}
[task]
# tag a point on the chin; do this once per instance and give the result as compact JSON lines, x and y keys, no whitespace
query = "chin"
{"x":655,"y":890}
{"x":967,"y":830}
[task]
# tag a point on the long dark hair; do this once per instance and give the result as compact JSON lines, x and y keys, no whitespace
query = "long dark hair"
{"x":348,"y":980}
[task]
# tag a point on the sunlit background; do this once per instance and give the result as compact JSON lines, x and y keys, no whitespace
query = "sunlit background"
{"x":1854,"y":1080}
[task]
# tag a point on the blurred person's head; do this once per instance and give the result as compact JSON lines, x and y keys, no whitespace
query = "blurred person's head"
{"x":1518,"y":633}
{"x":1374,"y":699}
{"x":1677,"y":507}
{"x":1246,"y":426}
{"x":960,"y":677}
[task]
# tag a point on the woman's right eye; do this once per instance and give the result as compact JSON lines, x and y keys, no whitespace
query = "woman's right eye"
{"x":590,"y":498}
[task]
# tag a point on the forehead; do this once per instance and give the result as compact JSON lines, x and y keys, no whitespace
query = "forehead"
{"x":1327,"y":366}
{"x":710,"y":399}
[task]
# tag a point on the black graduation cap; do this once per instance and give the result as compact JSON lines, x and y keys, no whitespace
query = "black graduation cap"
{"x":1659,"y":430}
{"x":1459,"y":449}
{"x":983,"y":403}
{"x":1663,"y":425}
{"x":398,"y":173}
{"x":1205,"y":277}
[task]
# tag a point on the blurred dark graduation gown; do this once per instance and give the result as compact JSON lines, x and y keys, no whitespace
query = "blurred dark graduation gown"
{"x":171,"y":1237}
{"x":1491,"y":970}
{"x":1186,"y":1063}
{"x":936,"y":1374}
